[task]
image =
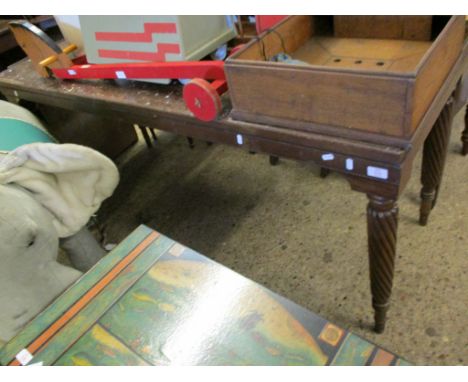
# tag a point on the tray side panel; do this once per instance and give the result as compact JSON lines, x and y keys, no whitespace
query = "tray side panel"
{"x":369,"y":103}
{"x":289,"y":35}
{"x":384,"y":27}
{"x":435,"y":67}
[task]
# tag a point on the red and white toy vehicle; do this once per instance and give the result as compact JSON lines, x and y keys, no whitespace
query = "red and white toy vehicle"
{"x":207,"y":80}
{"x":204,"y":81}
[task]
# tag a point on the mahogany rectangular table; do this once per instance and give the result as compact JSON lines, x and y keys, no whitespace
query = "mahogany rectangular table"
{"x":152,"y":301}
{"x":375,"y":164}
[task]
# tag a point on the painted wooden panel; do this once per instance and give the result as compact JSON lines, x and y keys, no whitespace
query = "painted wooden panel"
{"x":209,"y":315}
{"x":62,"y":304}
{"x":85,"y":318}
{"x":354,"y":351}
{"x":97,"y":347}
{"x":153,"y":301}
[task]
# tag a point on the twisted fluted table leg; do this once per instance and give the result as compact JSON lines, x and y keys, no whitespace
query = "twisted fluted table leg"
{"x":434,"y":154}
{"x":464,"y":137}
{"x":382,"y":222}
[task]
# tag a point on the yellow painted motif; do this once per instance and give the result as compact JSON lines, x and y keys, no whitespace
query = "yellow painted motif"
{"x":166,"y":307}
{"x":271,"y":320}
{"x":80,"y":361}
{"x":144,"y":297}
{"x":102,"y":336}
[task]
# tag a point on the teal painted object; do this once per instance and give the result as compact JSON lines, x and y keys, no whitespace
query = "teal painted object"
{"x":152,"y":301}
{"x":15,"y":133}
{"x":66,"y":300}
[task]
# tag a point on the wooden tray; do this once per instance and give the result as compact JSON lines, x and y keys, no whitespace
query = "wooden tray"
{"x":376,"y":74}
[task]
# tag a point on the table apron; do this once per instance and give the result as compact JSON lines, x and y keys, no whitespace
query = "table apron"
{"x":159,"y":119}
{"x":326,"y":156}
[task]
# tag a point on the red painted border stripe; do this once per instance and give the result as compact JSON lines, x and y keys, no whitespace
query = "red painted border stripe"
{"x":87,"y":297}
{"x":146,"y":36}
{"x":160,"y":55}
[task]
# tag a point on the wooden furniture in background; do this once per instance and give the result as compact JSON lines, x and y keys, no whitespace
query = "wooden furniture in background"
{"x":152,"y":301}
{"x":379,"y":166}
{"x":110,"y":136}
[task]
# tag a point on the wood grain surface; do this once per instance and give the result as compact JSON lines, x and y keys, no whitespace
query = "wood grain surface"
{"x":373,"y":80}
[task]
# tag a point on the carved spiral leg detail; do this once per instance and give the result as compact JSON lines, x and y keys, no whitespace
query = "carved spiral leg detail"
{"x":464,"y":137}
{"x":434,"y":154}
{"x":382,"y":223}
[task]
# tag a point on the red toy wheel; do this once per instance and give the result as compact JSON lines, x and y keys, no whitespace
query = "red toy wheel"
{"x":202,"y":99}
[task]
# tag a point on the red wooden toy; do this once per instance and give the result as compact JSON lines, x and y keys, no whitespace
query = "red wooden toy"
{"x":201,"y":94}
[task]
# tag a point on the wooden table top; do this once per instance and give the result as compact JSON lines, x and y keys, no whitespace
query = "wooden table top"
{"x":154,"y":104}
{"x":162,"y":107}
{"x":152,"y":301}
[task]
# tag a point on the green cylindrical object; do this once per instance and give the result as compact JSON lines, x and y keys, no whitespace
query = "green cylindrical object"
{"x":18,"y":127}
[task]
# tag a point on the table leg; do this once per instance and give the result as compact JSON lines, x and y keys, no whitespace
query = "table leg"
{"x":464,"y":137}
{"x":324,"y":172}
{"x":274,"y":160}
{"x":153,"y":134}
{"x":146,"y":136}
{"x":434,"y":154}
{"x":382,"y":222}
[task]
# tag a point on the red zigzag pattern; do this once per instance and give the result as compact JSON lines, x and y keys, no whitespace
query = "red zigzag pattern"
{"x":146,"y":36}
{"x":149,"y":28}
